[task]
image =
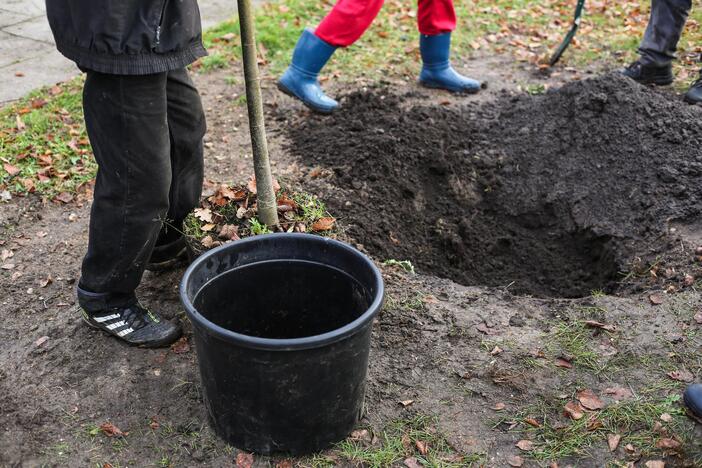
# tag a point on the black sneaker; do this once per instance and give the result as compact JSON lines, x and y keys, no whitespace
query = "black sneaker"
{"x":649,"y":74}
{"x":170,"y":255}
{"x":135,"y":325}
{"x":694,"y":94}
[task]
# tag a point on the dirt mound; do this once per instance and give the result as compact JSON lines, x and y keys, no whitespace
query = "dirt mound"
{"x":549,"y":195}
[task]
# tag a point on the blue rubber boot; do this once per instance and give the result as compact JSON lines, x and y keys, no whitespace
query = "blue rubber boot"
{"x":437,"y":71}
{"x":693,"y":399}
{"x":300,"y":79}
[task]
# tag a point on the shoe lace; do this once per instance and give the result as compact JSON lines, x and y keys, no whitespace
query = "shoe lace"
{"x":635,"y":66}
{"x":135,"y":317}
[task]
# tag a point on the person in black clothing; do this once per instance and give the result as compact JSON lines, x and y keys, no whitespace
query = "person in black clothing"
{"x":145,"y":122}
{"x":657,"y":49}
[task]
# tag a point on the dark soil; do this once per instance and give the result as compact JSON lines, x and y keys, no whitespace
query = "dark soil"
{"x":549,"y":195}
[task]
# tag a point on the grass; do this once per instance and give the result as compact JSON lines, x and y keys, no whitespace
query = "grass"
{"x":635,"y":420}
{"x":402,"y":439}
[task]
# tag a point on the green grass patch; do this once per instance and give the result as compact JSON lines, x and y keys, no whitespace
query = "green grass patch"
{"x":637,"y":420}
{"x":416,"y":438}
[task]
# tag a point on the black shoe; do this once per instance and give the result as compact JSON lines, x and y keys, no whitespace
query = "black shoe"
{"x":649,"y":74}
{"x":694,"y":94}
{"x":170,"y":255}
{"x":136,"y":325}
{"x":693,"y":399}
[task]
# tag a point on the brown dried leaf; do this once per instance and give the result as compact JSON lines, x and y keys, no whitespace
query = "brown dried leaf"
{"x":251,"y":185}
{"x":229,"y":232}
{"x":230,"y":194}
{"x":244,"y":460}
{"x":208,"y":227}
{"x":10,"y":169}
{"x":668,"y":444}
{"x":412,"y":462}
{"x":406,"y":403}
{"x":37,"y":103}
{"x":323,"y":224}
{"x":361,"y":434}
{"x":525,"y":445}
{"x":618,"y":393}
{"x":422,"y":446}
{"x":532,"y":422}
{"x":573,"y":410}
{"x":284,"y":464}
{"x":496,"y":350}
{"x":589,"y":400}
{"x":665,"y":417}
{"x":110,"y":430}
{"x":698,"y":318}
{"x":181,"y":346}
{"x":499,"y":407}
{"x":203,"y":214}
{"x":515,"y":461}
{"x":41,"y":340}
{"x":560,"y":362}
{"x":483,"y":327}
{"x":681,"y":375}
{"x":46,"y":281}
{"x":656,"y":299}
{"x":613,"y":441}
{"x":207,"y":242}
{"x":64,"y":197}
{"x":655,"y":464}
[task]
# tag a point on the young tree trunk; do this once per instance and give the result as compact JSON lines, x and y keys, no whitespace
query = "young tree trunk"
{"x":265,"y":196}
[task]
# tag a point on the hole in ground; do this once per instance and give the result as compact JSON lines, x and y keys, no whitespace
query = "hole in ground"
{"x":547,"y":195}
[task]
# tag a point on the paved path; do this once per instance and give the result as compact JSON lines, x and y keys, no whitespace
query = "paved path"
{"x":28,"y":58}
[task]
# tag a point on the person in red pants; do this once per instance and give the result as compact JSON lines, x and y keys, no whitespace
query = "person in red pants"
{"x":347,"y":22}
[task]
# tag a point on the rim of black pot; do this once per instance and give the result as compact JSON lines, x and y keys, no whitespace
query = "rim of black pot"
{"x":284,"y":344}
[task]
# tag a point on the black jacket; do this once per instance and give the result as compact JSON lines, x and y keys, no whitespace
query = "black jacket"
{"x":127,"y":37}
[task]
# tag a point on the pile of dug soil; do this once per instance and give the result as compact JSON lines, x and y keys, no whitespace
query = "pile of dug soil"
{"x":550,"y":195}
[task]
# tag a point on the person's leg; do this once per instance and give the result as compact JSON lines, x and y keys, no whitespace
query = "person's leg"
{"x":657,"y":49}
{"x":663,"y":32}
{"x":126,"y":122}
{"x":344,"y":24}
{"x":186,"y":126}
{"x":436,"y":20}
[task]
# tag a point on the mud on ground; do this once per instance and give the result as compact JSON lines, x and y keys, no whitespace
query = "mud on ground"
{"x":519,"y":213}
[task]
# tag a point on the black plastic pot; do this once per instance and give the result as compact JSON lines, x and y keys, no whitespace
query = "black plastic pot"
{"x":282,"y":328}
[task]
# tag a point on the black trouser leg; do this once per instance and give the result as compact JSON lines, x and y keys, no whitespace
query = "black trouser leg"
{"x":139,"y":157}
{"x":186,"y":125}
{"x":663,"y":31}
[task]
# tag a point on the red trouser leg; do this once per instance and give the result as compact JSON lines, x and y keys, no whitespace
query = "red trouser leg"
{"x":347,"y":21}
{"x":435,"y":17}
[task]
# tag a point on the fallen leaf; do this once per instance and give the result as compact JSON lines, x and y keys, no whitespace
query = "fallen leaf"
{"x":181,"y":346}
{"x":618,"y":393}
{"x":515,"y":461}
{"x":496,"y":350}
{"x":613,"y":441}
{"x":5,"y":254}
{"x":40,"y":341}
{"x":244,"y":460}
{"x":110,"y":430}
{"x":681,"y":376}
{"x":532,"y":422}
{"x":360,"y":434}
{"x":406,"y":403}
{"x":560,"y":362}
{"x":46,"y":281}
{"x":525,"y":445}
{"x":573,"y":410}
{"x":665,"y":417}
{"x":203,"y":214}
{"x":603,"y":326}
{"x":10,"y":169}
{"x":19,"y":123}
{"x":208,"y":227}
{"x":154,"y":423}
{"x":323,"y":224}
{"x":594,"y":423}
{"x":689,"y":280}
{"x":207,"y":242}
{"x":284,"y":464}
{"x":64,"y":197}
{"x":55,"y":90}
{"x":229,"y":232}
{"x":412,"y":462}
{"x":698,"y":317}
{"x":37,"y":103}
{"x":483,"y":327}
{"x":655,"y":464}
{"x":656,"y":299}
{"x":7,"y":266}
{"x":233,"y":195}
{"x":19,"y":74}
{"x":422,"y":446}
{"x":499,"y":406}
{"x":589,"y":400}
{"x":668,"y":444}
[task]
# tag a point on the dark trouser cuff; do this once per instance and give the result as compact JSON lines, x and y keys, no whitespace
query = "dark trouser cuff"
{"x":93,"y":302}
